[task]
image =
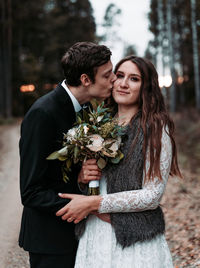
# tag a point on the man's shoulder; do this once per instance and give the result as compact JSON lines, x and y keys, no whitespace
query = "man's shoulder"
{"x":50,"y":105}
{"x":47,"y":102}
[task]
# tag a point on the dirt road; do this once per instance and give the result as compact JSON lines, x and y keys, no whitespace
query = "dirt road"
{"x":181,"y":204}
{"x":10,"y":205}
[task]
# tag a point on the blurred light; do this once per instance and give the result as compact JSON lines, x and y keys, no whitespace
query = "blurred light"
{"x":180,"y":79}
{"x":165,"y":81}
{"x":47,"y":86}
{"x":27,"y":88}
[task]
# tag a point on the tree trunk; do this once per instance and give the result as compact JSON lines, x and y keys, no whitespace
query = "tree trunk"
{"x":8,"y":105}
{"x":195,"y":53}
{"x":5,"y":62}
{"x":2,"y":43}
{"x":171,"y":57}
{"x":161,"y":39}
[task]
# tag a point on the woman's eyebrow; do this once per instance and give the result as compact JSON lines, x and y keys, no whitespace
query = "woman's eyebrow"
{"x":136,"y":75}
{"x":132,"y":74}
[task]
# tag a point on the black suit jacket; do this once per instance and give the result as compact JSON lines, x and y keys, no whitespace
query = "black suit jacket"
{"x":41,"y":180}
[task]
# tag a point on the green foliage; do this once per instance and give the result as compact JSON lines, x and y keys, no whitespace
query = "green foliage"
{"x":42,"y":30}
{"x":97,"y":137}
{"x":101,"y":163}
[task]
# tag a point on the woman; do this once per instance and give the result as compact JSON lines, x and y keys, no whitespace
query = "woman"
{"x":132,"y":190}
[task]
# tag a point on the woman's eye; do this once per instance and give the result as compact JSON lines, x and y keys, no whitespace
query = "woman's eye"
{"x":135,"y":79}
{"x":119,"y":75}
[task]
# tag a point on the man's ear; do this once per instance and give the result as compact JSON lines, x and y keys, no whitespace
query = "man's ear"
{"x":85,"y":80}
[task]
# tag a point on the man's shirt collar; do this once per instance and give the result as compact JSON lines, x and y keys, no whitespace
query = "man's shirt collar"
{"x":76,"y":104}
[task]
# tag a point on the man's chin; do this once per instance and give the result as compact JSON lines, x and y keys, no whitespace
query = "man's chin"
{"x":100,"y":99}
{"x":107,"y":96}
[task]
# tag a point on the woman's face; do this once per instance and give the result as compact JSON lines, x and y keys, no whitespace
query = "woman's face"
{"x":127,"y":85}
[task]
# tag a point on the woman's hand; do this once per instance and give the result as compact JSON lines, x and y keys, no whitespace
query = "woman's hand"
{"x":89,"y":172}
{"x":79,"y":207}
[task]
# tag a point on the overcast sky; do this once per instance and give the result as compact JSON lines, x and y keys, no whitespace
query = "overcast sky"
{"x":133,"y":28}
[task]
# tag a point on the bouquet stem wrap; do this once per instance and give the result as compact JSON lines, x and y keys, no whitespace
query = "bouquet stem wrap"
{"x":93,"y":188}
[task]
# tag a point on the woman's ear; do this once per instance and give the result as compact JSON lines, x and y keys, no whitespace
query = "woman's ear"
{"x":85,"y":80}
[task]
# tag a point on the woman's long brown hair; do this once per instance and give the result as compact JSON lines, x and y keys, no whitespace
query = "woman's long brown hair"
{"x":154,"y":117}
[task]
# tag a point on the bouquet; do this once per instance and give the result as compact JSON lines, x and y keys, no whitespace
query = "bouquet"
{"x":96,"y":135}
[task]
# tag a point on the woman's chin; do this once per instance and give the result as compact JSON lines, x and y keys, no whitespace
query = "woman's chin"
{"x":119,"y":101}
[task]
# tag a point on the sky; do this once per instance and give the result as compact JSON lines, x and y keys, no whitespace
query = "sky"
{"x":132,"y":28}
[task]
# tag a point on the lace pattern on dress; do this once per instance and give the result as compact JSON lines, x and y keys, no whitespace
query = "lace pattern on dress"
{"x":151,"y":193}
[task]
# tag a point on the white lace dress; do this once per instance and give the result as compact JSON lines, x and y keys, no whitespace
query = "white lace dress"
{"x":98,"y":247}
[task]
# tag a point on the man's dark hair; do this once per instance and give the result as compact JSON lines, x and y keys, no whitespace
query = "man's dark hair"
{"x":83,"y":58}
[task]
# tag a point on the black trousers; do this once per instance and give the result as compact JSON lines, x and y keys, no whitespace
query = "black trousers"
{"x":51,"y":261}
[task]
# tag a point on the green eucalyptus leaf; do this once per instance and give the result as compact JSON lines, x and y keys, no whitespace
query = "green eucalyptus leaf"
{"x":65,"y":177}
{"x":63,"y":151}
{"x":120,"y":155}
{"x":115,"y":160}
{"x":94,"y":127}
{"x":85,"y":116}
{"x":68,"y":164}
{"x":103,"y":110}
{"x":78,"y":119}
{"x":76,"y":152}
{"x":53,"y":156}
{"x":101,"y":163}
{"x":98,"y":109}
{"x":76,"y":160}
{"x":62,"y":157}
{"x":64,"y":173}
{"x":90,"y":110}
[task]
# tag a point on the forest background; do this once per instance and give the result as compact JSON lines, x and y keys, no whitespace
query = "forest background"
{"x":35,"y":34}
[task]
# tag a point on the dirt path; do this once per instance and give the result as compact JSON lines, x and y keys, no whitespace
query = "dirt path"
{"x":181,"y":204}
{"x":10,"y":205}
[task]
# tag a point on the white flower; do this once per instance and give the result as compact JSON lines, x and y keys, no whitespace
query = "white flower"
{"x":85,"y":129}
{"x":99,"y":118}
{"x":112,"y":150}
{"x":96,"y":143}
{"x":71,"y":134}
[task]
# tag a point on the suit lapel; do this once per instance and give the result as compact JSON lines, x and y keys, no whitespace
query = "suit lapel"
{"x":67,"y":115}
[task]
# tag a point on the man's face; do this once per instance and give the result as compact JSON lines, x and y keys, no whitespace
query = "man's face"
{"x":104,"y":79}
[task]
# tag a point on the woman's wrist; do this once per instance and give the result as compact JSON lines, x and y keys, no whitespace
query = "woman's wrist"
{"x":95,"y":202}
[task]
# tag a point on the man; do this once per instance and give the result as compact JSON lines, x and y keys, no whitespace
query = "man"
{"x":50,"y":241}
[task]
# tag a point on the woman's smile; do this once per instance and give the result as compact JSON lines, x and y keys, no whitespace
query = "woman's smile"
{"x":127,"y":85}
{"x":122,"y":92}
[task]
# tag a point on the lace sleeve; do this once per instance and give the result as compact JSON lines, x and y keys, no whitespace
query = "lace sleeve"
{"x":151,"y":193}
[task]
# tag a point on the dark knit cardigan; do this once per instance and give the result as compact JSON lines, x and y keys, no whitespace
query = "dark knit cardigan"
{"x":130,"y":227}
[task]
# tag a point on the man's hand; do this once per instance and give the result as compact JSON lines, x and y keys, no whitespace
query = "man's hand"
{"x":104,"y":216}
{"x":89,"y":172}
{"x":79,"y":207}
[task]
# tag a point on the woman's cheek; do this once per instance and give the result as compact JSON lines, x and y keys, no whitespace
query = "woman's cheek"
{"x":113,"y":92}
